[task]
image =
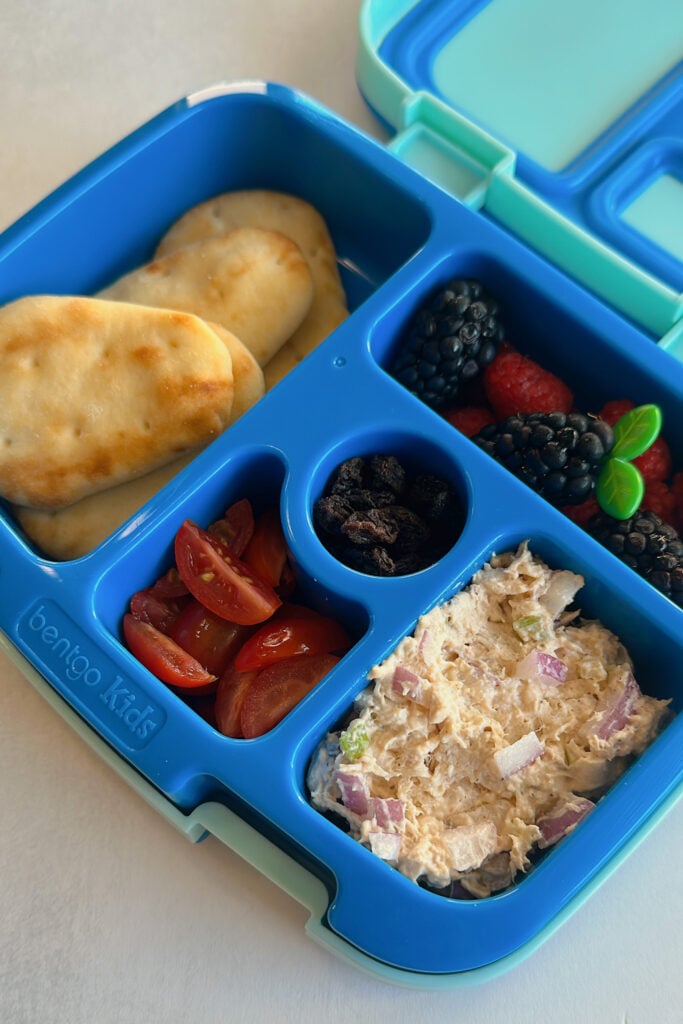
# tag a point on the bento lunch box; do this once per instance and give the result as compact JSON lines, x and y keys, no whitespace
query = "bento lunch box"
{"x":446,"y":197}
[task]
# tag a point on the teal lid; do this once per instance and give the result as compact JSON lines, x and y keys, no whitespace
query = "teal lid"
{"x":563,"y":122}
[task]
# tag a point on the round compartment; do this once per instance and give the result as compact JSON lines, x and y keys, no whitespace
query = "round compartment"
{"x":389,"y":504}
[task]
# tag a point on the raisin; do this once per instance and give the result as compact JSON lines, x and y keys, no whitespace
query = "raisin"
{"x":376,"y":526}
{"x":431,"y":497}
{"x":411,"y":532}
{"x":375,"y":518}
{"x":348,"y":476}
{"x":374,"y":561}
{"x":386,"y":472}
{"x":331,"y":513}
{"x":364,"y":498}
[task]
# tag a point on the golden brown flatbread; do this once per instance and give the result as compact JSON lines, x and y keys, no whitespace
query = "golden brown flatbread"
{"x":256,"y":283}
{"x":95,"y":393}
{"x":298,"y":220}
{"x":74,"y":531}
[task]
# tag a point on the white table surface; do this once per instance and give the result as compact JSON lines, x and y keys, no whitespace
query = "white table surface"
{"x":107,"y":914}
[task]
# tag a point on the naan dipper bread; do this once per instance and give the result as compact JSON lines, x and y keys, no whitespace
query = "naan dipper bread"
{"x":256,"y":283}
{"x":95,"y":393}
{"x":248,"y":381}
{"x":298,"y":220}
{"x":74,"y":531}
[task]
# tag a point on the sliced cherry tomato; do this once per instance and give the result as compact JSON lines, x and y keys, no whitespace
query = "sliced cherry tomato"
{"x":161,"y":612}
{"x":232,"y":689}
{"x":266,"y":552}
{"x":285,"y":636}
{"x":287,"y":584}
{"x":219,"y":580}
{"x":213,"y":641}
{"x":278,"y":688}
{"x":236,"y":528}
{"x":170,"y":585}
{"x":165,"y":659}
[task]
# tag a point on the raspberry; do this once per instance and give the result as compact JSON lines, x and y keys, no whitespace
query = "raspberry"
{"x":614,"y":410}
{"x":655,"y":463}
{"x":659,"y":498}
{"x":516,"y":384}
{"x":582,"y":513}
{"x":469,"y":419}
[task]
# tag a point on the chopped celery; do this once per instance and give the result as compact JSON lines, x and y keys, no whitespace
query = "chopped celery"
{"x":354,"y":740}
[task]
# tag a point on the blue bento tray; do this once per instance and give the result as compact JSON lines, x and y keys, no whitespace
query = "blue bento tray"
{"x":397,"y":235}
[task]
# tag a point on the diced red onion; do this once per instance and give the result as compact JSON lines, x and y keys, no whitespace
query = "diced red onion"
{"x":386,"y":845}
{"x":423,"y":640}
{"x":518,"y":755}
{"x":385,"y":812}
{"x":354,"y":792}
{"x":562,"y":819}
{"x":406,"y":683}
{"x":617,"y":714}
{"x":541,"y":668}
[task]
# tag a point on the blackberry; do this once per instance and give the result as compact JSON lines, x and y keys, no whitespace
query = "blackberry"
{"x":450,"y":341}
{"x":647,"y":544}
{"x":557,"y":454}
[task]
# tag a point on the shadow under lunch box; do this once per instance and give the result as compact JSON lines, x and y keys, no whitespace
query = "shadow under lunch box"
{"x":555,"y":179}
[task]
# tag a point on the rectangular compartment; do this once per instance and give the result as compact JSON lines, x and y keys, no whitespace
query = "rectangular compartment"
{"x":485,"y":930}
{"x":108,"y":219}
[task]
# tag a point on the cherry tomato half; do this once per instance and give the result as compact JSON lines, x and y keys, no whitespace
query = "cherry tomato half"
{"x":278,"y":688}
{"x":285,"y":636}
{"x":213,"y":641}
{"x":236,"y":528}
{"x":170,"y":585}
{"x":266,"y":552}
{"x":161,"y":612}
{"x":219,"y":580}
{"x":232,"y":689}
{"x":164,"y":658}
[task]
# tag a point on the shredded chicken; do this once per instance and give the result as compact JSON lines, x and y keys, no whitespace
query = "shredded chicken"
{"x":498,"y":711}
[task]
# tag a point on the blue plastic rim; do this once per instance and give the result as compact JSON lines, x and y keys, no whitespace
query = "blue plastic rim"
{"x":65,"y":618}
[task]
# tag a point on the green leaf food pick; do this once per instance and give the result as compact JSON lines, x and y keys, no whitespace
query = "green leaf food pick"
{"x":636,"y":431}
{"x":620,"y":487}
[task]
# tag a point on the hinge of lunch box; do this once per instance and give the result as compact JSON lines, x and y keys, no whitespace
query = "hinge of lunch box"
{"x":450,"y":150}
{"x":479,"y":171}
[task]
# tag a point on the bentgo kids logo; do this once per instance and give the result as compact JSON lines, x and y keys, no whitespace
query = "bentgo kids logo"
{"x":62,"y":648}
